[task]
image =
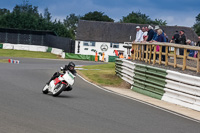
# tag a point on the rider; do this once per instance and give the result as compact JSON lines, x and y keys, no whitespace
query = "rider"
{"x":69,"y":67}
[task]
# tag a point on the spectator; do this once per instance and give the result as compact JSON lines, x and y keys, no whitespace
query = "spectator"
{"x":139,"y":34}
{"x":198,"y":43}
{"x":182,"y":40}
{"x":175,"y":38}
{"x":167,"y":39}
{"x":191,"y":43}
{"x":150,"y":33}
{"x":160,"y":38}
{"x":155,"y":33}
{"x":144,"y":30}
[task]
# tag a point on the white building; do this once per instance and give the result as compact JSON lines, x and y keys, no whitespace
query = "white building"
{"x":101,"y":37}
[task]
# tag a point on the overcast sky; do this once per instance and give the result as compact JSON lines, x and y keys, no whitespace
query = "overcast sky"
{"x":175,"y":12}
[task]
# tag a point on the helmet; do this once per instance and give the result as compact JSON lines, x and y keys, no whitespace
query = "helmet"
{"x":71,"y":66}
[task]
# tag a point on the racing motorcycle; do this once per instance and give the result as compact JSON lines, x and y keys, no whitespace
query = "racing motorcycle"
{"x":60,"y":84}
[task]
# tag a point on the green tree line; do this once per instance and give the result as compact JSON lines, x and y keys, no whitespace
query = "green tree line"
{"x":27,"y":17}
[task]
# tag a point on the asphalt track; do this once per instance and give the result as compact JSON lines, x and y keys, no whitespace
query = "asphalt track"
{"x":86,"y":109}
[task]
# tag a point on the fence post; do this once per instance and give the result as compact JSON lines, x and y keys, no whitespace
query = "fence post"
{"x":142,"y":52}
{"x":160,"y":55}
{"x":198,"y":61}
{"x":150,"y":54}
{"x":184,"y":59}
{"x":154,"y":55}
{"x":137,"y":50}
{"x":175,"y":57}
{"x":166,"y":55}
{"x":147,"y":47}
{"x":134,"y":47}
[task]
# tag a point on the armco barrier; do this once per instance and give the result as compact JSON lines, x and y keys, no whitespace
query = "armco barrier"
{"x":162,"y":84}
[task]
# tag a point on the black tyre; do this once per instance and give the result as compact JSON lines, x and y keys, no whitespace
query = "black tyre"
{"x":58,"y":89}
{"x":45,"y":89}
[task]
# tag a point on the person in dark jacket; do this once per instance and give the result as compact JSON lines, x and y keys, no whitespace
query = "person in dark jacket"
{"x":70,"y":67}
{"x":182,"y":40}
{"x":161,"y":38}
{"x":175,"y":38}
{"x":150,"y":33}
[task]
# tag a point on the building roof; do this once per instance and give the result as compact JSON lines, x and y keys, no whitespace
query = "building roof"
{"x":99,"y":31}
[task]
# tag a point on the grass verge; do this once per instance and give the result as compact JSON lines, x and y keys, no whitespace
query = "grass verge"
{"x":27,"y":54}
{"x":103,"y":75}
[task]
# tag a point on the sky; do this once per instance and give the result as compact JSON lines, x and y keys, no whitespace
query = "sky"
{"x":175,"y":12}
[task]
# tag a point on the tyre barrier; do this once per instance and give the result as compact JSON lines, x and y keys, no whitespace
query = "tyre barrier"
{"x":13,"y":61}
{"x":34,"y":48}
{"x":161,"y":84}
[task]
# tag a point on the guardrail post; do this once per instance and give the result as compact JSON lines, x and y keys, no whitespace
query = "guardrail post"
{"x":184,"y":59}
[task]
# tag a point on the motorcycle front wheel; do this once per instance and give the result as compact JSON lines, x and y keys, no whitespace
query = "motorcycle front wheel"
{"x":58,"y":89}
{"x":45,"y":89}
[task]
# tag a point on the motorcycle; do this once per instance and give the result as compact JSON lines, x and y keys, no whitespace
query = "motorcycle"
{"x":60,"y":84}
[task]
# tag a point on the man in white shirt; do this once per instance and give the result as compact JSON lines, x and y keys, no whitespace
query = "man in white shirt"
{"x":139,"y":34}
{"x":144,"y":30}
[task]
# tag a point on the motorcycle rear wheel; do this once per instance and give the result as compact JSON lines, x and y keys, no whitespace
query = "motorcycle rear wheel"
{"x":58,"y":89}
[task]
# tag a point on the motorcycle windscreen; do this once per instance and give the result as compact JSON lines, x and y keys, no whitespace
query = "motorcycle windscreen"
{"x":69,"y":78}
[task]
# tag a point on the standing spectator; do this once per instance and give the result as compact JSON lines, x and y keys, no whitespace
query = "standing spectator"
{"x":198,"y":43}
{"x":150,"y":33}
{"x":160,"y":38}
{"x":191,"y":43}
{"x":139,"y":34}
{"x":155,"y":36}
{"x":149,"y":37}
{"x":182,"y":40}
{"x":175,"y":38}
{"x":144,"y":33}
{"x":167,"y":38}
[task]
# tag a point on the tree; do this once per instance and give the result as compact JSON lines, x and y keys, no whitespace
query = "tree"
{"x":71,"y":23}
{"x":4,"y":11}
{"x":196,"y":26}
{"x":139,"y":18}
{"x":47,"y":15}
{"x":97,"y":16}
{"x":136,"y":17}
{"x":27,"y":17}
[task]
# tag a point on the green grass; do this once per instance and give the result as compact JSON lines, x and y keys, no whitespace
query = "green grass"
{"x":27,"y":54}
{"x":105,"y":76}
{"x":4,"y":60}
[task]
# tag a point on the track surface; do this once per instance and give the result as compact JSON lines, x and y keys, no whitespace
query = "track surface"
{"x":86,"y":109}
